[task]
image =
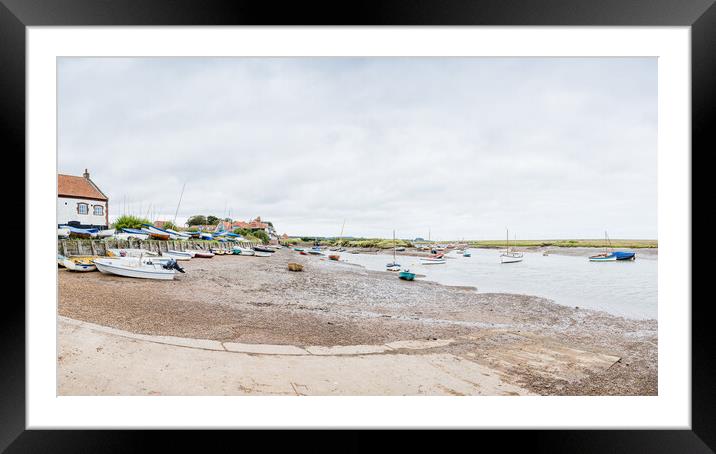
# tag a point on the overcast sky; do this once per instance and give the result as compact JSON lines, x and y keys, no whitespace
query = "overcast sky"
{"x":460,"y":147}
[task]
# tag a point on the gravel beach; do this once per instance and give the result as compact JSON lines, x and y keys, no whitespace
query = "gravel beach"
{"x":531,"y":340}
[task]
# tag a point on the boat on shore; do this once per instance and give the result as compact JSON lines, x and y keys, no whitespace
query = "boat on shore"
{"x":263,"y":249}
{"x":127,"y":234}
{"x":63,"y":233}
{"x":203,"y":254}
{"x":80,"y":263}
{"x":178,"y":255}
{"x":334,"y":257}
{"x":262,"y":254}
{"x":75,"y":232}
{"x":243,"y":251}
{"x":106,"y":233}
{"x":138,"y":268}
{"x":406,"y":275}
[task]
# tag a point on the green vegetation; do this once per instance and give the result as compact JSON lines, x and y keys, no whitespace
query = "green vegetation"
{"x":196,"y":220}
{"x":631,"y":244}
{"x":253,"y":235}
{"x":212,"y":220}
{"x":170,"y":225}
{"x":128,"y":221}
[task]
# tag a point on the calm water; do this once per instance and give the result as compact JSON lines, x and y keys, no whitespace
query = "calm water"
{"x":625,"y":288}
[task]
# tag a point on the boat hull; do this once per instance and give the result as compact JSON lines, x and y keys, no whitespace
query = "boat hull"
{"x":140,"y":270}
{"x":432,"y":261}
{"x":79,"y":265}
{"x":404,"y":275}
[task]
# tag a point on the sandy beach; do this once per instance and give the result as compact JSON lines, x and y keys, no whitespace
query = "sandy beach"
{"x":533,"y":344}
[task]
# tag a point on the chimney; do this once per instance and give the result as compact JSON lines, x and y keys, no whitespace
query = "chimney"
{"x":86,"y":174}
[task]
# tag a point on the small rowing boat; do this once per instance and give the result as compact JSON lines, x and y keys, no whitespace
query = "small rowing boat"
{"x":263,"y":249}
{"x":81,"y":264}
{"x":63,"y":233}
{"x":178,"y":255}
{"x":335,"y":257}
{"x":243,"y":251}
{"x":406,"y":275}
{"x":75,"y":232}
{"x":262,"y":254}
{"x":106,"y":233}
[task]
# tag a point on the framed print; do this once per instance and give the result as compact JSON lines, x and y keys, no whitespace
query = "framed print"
{"x":469,"y":215}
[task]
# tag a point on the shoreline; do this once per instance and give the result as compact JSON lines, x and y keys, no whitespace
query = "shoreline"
{"x":258,"y":301}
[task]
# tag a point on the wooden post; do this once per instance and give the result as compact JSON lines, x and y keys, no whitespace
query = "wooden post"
{"x":92,"y":247}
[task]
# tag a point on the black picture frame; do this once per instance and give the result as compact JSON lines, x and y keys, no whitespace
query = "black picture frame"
{"x":700,"y":15}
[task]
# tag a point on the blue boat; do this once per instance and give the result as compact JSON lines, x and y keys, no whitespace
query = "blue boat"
{"x":406,"y":275}
{"x":80,"y":233}
{"x":612,"y":256}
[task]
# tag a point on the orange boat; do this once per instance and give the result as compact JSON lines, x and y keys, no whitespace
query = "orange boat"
{"x":334,"y":257}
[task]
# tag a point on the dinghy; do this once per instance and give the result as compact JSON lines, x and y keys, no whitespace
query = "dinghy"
{"x":136,"y":234}
{"x":138,"y":268}
{"x":157,"y":234}
{"x":63,"y":233}
{"x":61,"y":260}
{"x":263,"y":249}
{"x":334,"y":257}
{"x":243,"y":251}
{"x":203,"y":254}
{"x":261,"y":254}
{"x":80,"y":233}
{"x":80,"y":264}
{"x":131,"y":253}
{"x":106,"y":233}
{"x":179,"y":235}
{"x":406,"y":275}
{"x":205,"y":236}
{"x":178,"y":255}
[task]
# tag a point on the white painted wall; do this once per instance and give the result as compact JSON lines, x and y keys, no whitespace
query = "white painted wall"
{"x":67,"y":211}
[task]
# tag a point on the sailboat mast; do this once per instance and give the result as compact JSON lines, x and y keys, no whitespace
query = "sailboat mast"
{"x":393,"y":246}
{"x":178,"y":204}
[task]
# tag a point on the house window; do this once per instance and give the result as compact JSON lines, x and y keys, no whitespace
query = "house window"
{"x":82,"y":208}
{"x":98,"y":210}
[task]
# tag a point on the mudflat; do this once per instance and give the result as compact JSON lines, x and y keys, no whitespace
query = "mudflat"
{"x":535,"y":344}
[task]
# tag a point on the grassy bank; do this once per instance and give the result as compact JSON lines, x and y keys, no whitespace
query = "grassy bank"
{"x":629,"y":244}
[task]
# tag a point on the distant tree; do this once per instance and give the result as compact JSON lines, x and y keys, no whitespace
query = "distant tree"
{"x":197,"y":220}
{"x":212,"y":220}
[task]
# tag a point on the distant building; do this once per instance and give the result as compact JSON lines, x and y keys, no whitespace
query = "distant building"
{"x":80,"y":203}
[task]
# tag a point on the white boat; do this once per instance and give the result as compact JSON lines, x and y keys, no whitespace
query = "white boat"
{"x":81,"y":264}
{"x":136,"y":268}
{"x":131,"y":253}
{"x":63,"y":233}
{"x":261,"y":254}
{"x":244,"y":251}
{"x":510,"y":256}
{"x":431,"y":261}
{"x":106,"y":233}
{"x":393,"y":266}
{"x":178,"y":255}
{"x":179,"y":235}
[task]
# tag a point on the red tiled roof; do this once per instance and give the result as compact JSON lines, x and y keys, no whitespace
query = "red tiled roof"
{"x":79,"y":187}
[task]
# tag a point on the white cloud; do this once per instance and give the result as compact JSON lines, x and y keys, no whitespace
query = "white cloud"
{"x":551,"y":147}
